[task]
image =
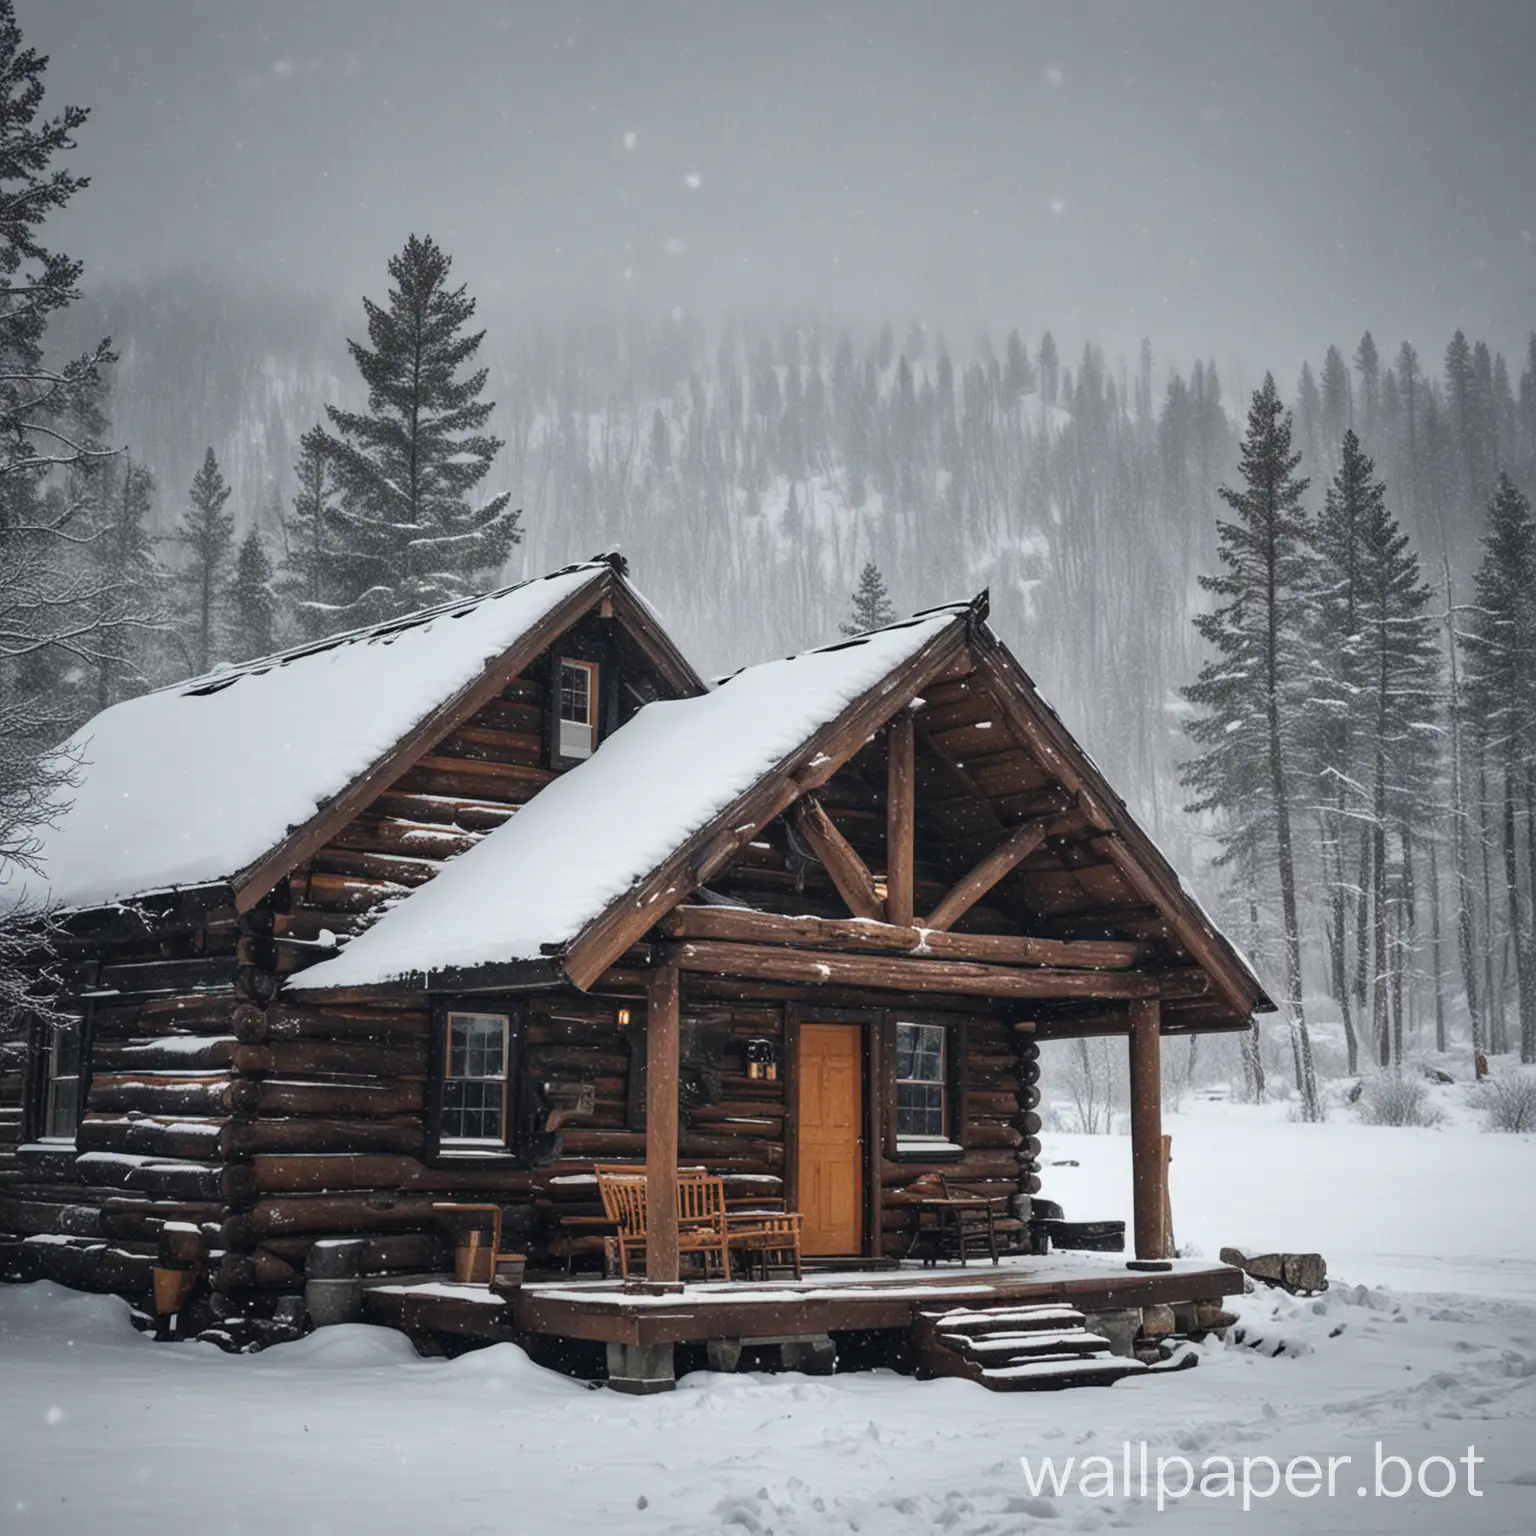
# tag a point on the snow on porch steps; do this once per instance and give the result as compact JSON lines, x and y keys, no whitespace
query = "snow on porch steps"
{"x":1015,"y":1349}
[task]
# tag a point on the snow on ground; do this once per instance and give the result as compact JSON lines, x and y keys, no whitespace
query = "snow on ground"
{"x":1448,"y":1208}
{"x":102,"y":1430}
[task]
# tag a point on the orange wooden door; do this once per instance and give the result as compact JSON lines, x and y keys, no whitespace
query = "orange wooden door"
{"x":831,"y":1117}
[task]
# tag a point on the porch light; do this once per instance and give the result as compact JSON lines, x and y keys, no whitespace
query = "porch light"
{"x":762,"y":1058}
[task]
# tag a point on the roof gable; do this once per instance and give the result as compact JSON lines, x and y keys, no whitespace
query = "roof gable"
{"x":234,"y":777}
{"x":663,"y":802}
{"x":675,"y":797}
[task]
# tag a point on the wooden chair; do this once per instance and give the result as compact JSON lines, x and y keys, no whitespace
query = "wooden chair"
{"x":766,"y":1233}
{"x":701,"y":1215}
{"x":962,"y":1223}
{"x":474,"y":1260}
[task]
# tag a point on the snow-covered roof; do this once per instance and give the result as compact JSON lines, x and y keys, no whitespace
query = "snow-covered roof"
{"x":192,"y":784}
{"x":594,"y":834}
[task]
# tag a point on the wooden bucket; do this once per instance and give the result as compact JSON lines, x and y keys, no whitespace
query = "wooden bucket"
{"x":473,"y":1256}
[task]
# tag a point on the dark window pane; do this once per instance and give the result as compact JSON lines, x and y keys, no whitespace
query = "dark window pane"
{"x":575,"y":693}
{"x":474,"y":1085}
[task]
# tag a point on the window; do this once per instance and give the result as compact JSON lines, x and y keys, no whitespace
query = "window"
{"x":62,"y":1058}
{"x":578,"y":708}
{"x":921,"y":1079}
{"x":477,"y":1055}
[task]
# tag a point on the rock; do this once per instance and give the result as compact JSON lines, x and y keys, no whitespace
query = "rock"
{"x":1156,"y":1321}
{"x":1305,"y":1272}
{"x":1435,"y":1075}
{"x":1294,"y":1272}
{"x":1119,"y":1327}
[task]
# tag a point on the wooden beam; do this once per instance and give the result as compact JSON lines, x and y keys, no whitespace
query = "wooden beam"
{"x":958,"y":772}
{"x":744,"y":925}
{"x":850,"y":874}
{"x":910,"y":975}
{"x":900,"y":818}
{"x":1133,"y":852}
{"x":1005,"y":857}
{"x":1148,"y":1196}
{"x":805,"y":769}
{"x":662,"y":1032}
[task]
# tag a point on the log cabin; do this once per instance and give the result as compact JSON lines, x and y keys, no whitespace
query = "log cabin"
{"x":493,"y":894}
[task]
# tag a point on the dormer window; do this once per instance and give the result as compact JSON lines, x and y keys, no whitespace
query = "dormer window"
{"x":578,"y":709}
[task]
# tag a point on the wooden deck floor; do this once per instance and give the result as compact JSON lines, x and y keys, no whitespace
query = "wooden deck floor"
{"x":603,"y":1311}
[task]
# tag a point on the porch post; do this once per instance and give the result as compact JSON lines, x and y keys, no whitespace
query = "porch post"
{"x":1148,"y":1194}
{"x":901,"y":784}
{"x":661,"y":1045}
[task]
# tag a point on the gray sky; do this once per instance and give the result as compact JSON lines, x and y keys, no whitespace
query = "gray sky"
{"x":1241,"y":179}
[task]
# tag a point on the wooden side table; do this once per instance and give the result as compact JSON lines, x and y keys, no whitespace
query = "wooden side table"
{"x":963,"y":1221}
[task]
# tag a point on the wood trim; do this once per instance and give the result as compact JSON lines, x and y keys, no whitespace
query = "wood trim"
{"x":252,"y":883}
{"x":514,"y":1093}
{"x":958,"y":1065}
{"x":909,"y":975}
{"x":1133,"y":852}
{"x":749,"y":926}
{"x":874,"y":1136}
{"x":1009,"y":853}
{"x":850,"y":874}
{"x":596,"y":672}
{"x":900,"y":821}
{"x":805,"y":769}
{"x":635,"y":1083}
{"x":887,"y":1028}
{"x":1111,"y":1018}
{"x":641,"y":625}
{"x":792,"y":1021}
{"x":876,"y":1066}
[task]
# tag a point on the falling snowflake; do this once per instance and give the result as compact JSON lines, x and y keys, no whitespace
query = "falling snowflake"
{"x":1053,"y":75}
{"x":631,"y":139}
{"x":693,"y":181}
{"x":674,"y":246}
{"x":1058,"y":205}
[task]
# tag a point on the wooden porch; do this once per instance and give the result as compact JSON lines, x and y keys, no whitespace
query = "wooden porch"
{"x":642,"y":1325}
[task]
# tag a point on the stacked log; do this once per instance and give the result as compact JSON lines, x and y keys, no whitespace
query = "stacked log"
{"x":1027,"y":1051}
{"x":465,"y":786}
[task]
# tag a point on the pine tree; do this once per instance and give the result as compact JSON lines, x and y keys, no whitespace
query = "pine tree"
{"x":1399,"y":681}
{"x":207,"y":534}
{"x":126,"y":554}
{"x":1368,"y":366}
{"x":253,"y":607}
{"x":1050,"y":369}
{"x":1336,"y":725}
{"x":871,"y":603}
{"x":1466,"y":901}
{"x":1250,"y":695}
{"x":314,"y":567}
{"x":1501,"y":694}
{"x":1338,"y":408}
{"x":406,"y":467}
{"x":47,"y":602}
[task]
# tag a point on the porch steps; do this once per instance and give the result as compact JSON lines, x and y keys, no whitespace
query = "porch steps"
{"x":1017,"y":1349}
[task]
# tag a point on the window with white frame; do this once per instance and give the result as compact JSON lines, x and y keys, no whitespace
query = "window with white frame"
{"x":476,"y":1074}
{"x":63,"y":1058}
{"x":921,"y":1083}
{"x":578,"y":708}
